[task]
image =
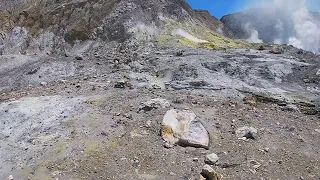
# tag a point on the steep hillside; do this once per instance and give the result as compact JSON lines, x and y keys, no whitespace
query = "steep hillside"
{"x":56,"y":26}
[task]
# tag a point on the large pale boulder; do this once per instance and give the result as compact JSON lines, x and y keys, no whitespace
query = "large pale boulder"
{"x":183,"y":128}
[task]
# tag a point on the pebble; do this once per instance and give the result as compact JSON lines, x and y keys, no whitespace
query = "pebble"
{"x":211,"y":159}
{"x":128,"y":116}
{"x":154,"y":104}
{"x":247,"y":132}
{"x":10,"y":177}
{"x":208,"y":173}
{"x":195,"y":159}
{"x":148,"y":124}
{"x":79,"y":57}
{"x":43,"y":83}
{"x":301,"y":138}
{"x":167,"y":145}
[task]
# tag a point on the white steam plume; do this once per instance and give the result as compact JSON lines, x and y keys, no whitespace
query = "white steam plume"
{"x":254,"y":34}
{"x":307,"y":30}
{"x":304,"y":29}
{"x":182,"y":33}
{"x":254,"y":37}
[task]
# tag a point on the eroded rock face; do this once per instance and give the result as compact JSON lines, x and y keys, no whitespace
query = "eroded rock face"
{"x":183,"y":128}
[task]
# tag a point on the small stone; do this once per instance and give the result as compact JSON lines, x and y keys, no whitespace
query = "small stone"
{"x":43,"y":83}
{"x":276,"y":50}
{"x":154,"y":104}
{"x":104,"y":133}
{"x":209,"y":173}
{"x":318,"y":73}
{"x":211,"y":159}
{"x":62,"y":81}
{"x":301,"y":138}
{"x":168,"y":145}
{"x":55,"y":173}
{"x":247,"y":132}
{"x":172,"y":173}
{"x":79,"y":57}
{"x":179,"y":53}
{"x":266,"y":149}
{"x":10,"y":177}
{"x":136,"y":163}
{"x":123,"y":84}
{"x":256,"y":166}
{"x":128,"y":116}
{"x":317,"y":130}
{"x":261,"y":48}
{"x":148,"y":124}
{"x":195,"y":159}
{"x":67,"y":54}
{"x":78,"y":85}
{"x":250,"y":100}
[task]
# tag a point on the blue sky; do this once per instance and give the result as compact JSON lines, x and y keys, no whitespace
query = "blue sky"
{"x":219,"y":8}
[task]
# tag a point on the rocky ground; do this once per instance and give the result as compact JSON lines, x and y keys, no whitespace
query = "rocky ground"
{"x":132,"y":89}
{"x":88,"y":115}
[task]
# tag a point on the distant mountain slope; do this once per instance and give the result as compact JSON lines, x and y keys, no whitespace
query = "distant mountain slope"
{"x":212,"y":22}
{"x":260,"y":19}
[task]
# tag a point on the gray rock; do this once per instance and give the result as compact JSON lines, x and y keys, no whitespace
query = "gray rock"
{"x":154,"y":104}
{"x":43,"y":83}
{"x":276,"y":50}
{"x":10,"y":177}
{"x":318,"y":73}
{"x":122,"y":84}
{"x":79,"y":57}
{"x":182,"y":127}
{"x":247,"y":132}
{"x":208,"y":173}
{"x":211,"y":159}
{"x":167,"y":145}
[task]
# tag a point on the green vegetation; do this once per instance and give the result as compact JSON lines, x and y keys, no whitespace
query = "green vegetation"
{"x":214,"y":39}
{"x":309,"y":110}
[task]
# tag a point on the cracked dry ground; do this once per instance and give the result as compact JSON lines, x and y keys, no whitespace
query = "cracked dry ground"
{"x":101,"y":135}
